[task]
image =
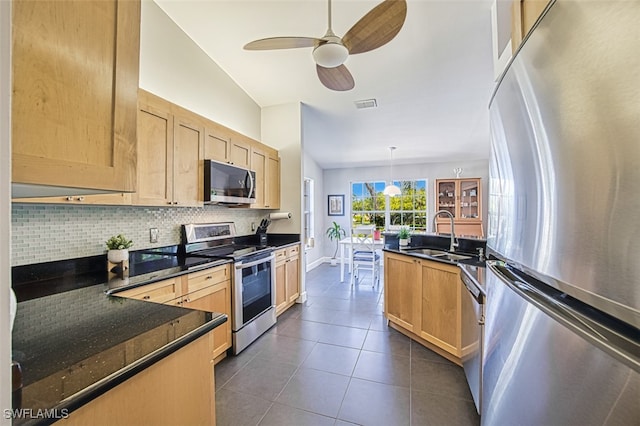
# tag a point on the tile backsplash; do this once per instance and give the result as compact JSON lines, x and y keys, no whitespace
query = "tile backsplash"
{"x":43,"y":233}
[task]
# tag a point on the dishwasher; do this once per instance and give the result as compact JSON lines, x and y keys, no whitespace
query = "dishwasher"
{"x":473,"y":301}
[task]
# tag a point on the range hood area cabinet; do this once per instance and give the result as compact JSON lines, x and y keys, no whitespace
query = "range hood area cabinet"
{"x":74,"y":104}
{"x":463,"y":199}
{"x":170,"y":144}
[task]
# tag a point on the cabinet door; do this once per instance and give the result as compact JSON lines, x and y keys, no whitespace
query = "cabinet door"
{"x":166,"y":291}
{"x":240,"y":152}
{"x":217,"y":145}
{"x":155,"y":149}
{"x":470,"y":202}
{"x":272,"y":182}
{"x":216,"y":298}
{"x":446,"y":193}
{"x":281,"y":287}
{"x":75,"y":79}
{"x":440,"y":307}
{"x":401,"y":304}
{"x":259,"y":165}
{"x":187,"y":164}
{"x":292,"y":272}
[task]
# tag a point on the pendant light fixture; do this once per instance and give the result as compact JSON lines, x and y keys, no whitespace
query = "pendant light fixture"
{"x":391,"y":190}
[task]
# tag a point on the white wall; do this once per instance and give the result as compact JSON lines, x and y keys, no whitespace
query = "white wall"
{"x":338,"y":181}
{"x":311,"y":170}
{"x":173,"y":67}
{"x":5,"y":206}
{"x":281,"y":130}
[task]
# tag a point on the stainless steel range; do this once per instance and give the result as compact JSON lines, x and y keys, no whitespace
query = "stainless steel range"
{"x":253,"y":282}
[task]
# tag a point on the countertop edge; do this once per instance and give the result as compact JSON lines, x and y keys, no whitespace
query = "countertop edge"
{"x":97,"y":389}
{"x":473,"y":262}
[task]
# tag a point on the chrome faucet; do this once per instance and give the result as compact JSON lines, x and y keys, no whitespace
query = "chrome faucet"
{"x":454,"y":243}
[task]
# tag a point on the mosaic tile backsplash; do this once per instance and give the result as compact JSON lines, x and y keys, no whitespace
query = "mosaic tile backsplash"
{"x":43,"y":233}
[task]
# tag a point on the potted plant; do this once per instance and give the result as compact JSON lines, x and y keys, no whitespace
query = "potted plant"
{"x":118,"y":248}
{"x":403,"y":237}
{"x":335,"y":232}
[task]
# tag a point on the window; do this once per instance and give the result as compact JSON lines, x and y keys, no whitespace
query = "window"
{"x":308,"y":213}
{"x":410,"y":208}
{"x":369,"y":206}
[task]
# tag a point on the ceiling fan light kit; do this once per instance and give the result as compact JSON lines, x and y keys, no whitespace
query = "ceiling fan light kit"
{"x":379,"y":26}
{"x":330,"y":55}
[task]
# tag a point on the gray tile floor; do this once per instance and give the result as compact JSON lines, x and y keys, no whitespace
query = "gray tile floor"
{"x":333,"y":361}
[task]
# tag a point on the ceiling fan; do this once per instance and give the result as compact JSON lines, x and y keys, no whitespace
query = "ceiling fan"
{"x":373,"y":30}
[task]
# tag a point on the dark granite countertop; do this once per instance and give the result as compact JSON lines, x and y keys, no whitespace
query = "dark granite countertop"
{"x":74,"y":341}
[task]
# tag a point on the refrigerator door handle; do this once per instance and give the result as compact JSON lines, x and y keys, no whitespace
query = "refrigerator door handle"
{"x":615,"y":337}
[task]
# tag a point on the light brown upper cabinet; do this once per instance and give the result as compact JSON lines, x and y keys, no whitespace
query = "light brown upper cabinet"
{"x":217,"y":143}
{"x":266,"y":163}
{"x":170,"y":143}
{"x":75,"y":81}
{"x":240,"y":152}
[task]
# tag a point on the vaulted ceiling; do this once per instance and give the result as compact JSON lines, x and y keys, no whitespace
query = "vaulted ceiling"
{"x":432,"y":82}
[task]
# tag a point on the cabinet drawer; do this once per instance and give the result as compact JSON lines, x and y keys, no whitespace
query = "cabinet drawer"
{"x":280,"y":255}
{"x":206,"y":278}
{"x":293,"y":251}
{"x":160,"y":292}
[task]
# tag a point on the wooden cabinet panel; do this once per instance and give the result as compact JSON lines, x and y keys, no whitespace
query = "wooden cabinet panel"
{"x":424,"y":298}
{"x":155,"y":134}
{"x":167,"y":291}
{"x":272,"y":182}
{"x":178,"y":389}
{"x":217,"y":142}
{"x":170,"y":143}
{"x":240,"y":152}
{"x":187,"y":173}
{"x":287,"y":277}
{"x":401,"y":304}
{"x":207,"y":277}
{"x":440,"y":298}
{"x":259,"y":165}
{"x":75,"y":79}
{"x":120,"y":199}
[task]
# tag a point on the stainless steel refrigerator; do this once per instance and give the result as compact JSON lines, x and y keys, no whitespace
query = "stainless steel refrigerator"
{"x":562,"y":338}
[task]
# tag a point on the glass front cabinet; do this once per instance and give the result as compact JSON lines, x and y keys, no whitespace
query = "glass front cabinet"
{"x":463,"y":199}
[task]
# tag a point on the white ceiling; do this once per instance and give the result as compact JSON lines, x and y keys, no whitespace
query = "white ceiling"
{"x":432,"y":82}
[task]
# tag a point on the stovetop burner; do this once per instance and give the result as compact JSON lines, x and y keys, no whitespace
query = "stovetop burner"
{"x":216,"y":240}
{"x":230,"y":250}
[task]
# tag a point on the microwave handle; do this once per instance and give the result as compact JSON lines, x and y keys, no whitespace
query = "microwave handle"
{"x":251,"y":193}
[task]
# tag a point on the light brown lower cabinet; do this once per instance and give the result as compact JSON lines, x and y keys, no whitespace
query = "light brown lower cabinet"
{"x":287,"y":277}
{"x":178,"y":389}
{"x":206,"y":290}
{"x":423,"y":299}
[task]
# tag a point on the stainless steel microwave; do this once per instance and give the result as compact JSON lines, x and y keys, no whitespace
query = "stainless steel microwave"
{"x":228,"y":184}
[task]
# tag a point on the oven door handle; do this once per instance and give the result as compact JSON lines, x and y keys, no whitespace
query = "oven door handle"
{"x":241,"y":265}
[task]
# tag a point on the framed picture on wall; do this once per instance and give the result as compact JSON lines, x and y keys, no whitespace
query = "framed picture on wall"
{"x":336,"y":205}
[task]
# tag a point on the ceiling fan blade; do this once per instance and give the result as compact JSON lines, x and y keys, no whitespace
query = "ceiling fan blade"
{"x":377,"y":27}
{"x":338,"y":78}
{"x":282,"y":43}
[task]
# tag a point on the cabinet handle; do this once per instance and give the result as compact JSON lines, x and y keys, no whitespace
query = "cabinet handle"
{"x":209,"y":277}
{"x":80,"y":199}
{"x":186,"y":300}
{"x":169,"y":202}
{"x":69,"y":198}
{"x":147,"y":297}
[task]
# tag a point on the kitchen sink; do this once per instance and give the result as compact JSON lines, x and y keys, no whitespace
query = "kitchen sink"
{"x":439,"y":254}
{"x":428,"y":252}
{"x":454,"y":257}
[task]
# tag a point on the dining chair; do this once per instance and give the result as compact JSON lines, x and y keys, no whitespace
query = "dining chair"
{"x":363,"y":254}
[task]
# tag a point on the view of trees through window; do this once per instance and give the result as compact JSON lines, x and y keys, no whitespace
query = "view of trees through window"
{"x":368,"y":204}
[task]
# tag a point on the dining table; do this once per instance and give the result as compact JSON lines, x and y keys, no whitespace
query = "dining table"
{"x":346,"y":242}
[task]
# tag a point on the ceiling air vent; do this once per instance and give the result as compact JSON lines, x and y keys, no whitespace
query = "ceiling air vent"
{"x":366,"y":103}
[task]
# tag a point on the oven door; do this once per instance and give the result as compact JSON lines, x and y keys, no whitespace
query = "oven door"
{"x":254,"y":285}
